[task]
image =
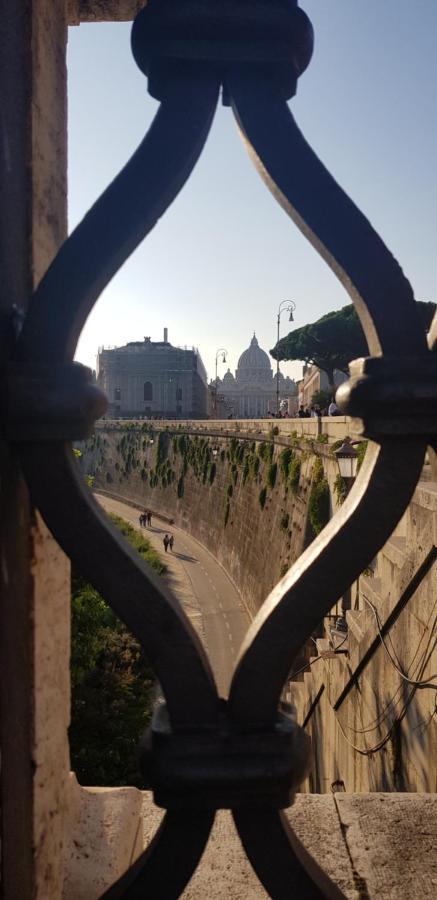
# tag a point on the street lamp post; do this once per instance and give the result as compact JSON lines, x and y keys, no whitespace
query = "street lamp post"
{"x":220,"y":352}
{"x":285,"y":306}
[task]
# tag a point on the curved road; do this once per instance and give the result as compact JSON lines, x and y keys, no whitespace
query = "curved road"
{"x":207,"y":594}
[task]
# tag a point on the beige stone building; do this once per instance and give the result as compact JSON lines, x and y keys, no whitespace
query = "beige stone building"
{"x":153,"y":379}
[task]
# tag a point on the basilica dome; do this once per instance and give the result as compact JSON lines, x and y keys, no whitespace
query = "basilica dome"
{"x":254,"y":357}
{"x":228,"y":378}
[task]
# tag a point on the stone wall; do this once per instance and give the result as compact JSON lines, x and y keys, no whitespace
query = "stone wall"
{"x":232,"y":493}
{"x":377,"y":732}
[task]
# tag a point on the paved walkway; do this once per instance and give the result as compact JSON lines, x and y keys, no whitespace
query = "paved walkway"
{"x":206,"y":592}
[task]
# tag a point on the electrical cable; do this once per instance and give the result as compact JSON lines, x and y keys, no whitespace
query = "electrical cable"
{"x":420,"y":666}
{"x":401,"y":715}
{"x":428,"y":683}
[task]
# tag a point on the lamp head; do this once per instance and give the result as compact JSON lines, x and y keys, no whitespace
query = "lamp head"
{"x":347,"y":459}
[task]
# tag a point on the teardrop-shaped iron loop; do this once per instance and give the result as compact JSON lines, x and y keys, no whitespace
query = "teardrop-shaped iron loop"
{"x":166,"y":866}
{"x":385,"y":304}
{"x":296,"y":606}
{"x":131,"y":588}
{"x":282,"y":864}
{"x":119,"y":220}
{"x":325,"y":214}
{"x":110,"y":231}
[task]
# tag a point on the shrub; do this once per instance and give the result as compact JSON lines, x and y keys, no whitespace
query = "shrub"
{"x":318,"y":471}
{"x":227,"y":511}
{"x":229,"y":490}
{"x":108,"y":477}
{"x":111,"y":683}
{"x":284,"y":520}
{"x":361,"y":450}
{"x":212,"y":472}
{"x":285,"y":458}
{"x":271,"y":475}
{"x":294,"y":474}
{"x":180,"y":488}
{"x":262,"y":497}
{"x":318,"y":505}
{"x":340,"y":489}
{"x":255,"y":464}
{"x":265,"y":451}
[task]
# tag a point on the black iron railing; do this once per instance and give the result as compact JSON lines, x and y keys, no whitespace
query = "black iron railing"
{"x":204,"y":753}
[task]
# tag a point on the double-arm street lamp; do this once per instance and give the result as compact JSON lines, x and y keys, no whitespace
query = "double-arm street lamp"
{"x":285,"y":306}
{"x":221,"y":352}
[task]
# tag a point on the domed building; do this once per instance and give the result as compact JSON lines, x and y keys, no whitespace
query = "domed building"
{"x":251,"y":394}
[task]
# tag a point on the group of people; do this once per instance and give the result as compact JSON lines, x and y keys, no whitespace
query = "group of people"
{"x":314,"y":412}
{"x":145,"y":518}
{"x":168,"y":541}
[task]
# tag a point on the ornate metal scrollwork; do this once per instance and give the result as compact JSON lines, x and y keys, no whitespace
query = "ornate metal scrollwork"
{"x":204,"y":753}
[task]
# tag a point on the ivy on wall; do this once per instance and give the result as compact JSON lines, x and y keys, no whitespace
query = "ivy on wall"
{"x":319,"y":500}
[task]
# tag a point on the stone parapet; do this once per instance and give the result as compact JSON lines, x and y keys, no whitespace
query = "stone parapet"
{"x":379,"y":846}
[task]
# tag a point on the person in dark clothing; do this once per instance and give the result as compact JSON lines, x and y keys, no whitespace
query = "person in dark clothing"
{"x":166,"y":541}
{"x":171,"y":542}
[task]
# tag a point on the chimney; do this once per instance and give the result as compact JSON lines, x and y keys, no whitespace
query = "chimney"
{"x":165,"y":335}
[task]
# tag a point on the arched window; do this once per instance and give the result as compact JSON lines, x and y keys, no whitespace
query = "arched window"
{"x":117,"y":394}
{"x":148,"y":390}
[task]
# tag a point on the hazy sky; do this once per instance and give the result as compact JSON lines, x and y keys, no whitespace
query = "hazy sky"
{"x":217,"y":265}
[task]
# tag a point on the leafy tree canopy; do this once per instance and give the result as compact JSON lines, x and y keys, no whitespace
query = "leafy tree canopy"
{"x":334,"y":340}
{"x":111,"y":683}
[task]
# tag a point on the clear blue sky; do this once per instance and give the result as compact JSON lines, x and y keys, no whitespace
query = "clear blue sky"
{"x":216,"y":266}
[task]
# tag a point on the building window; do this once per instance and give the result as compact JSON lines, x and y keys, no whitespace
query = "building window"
{"x":179,"y":394}
{"x":117,"y":394}
{"x":148,"y":390}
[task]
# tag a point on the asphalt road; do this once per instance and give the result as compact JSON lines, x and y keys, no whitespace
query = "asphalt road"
{"x":207,"y":594}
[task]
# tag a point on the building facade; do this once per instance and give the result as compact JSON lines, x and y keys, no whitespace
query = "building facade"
{"x":315,"y":380}
{"x":153,"y":379}
{"x":251,"y":393}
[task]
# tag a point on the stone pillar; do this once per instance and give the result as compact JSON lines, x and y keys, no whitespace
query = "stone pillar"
{"x":34,"y":613}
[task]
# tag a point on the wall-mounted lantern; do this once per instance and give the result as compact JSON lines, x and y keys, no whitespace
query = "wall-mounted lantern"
{"x":347,"y":460}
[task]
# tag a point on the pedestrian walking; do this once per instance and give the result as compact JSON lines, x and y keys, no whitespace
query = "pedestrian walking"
{"x":149,"y":518}
{"x":171,"y":542}
{"x":141,"y":520}
{"x":166,"y":541}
